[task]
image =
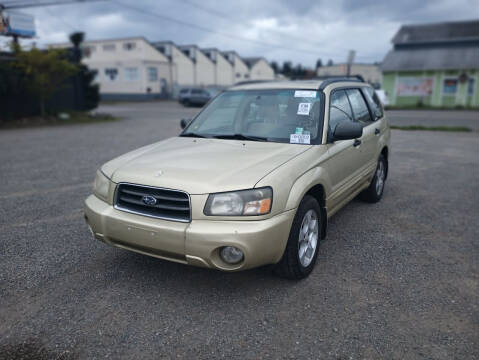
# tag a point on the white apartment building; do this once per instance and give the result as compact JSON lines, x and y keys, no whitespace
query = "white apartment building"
{"x":240,"y":69}
{"x":129,"y":67}
{"x":204,"y":74}
{"x":224,"y":69}
{"x":259,"y":69}
{"x":182,"y":67}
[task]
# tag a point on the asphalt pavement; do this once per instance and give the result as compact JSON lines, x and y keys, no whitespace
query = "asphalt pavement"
{"x":394,"y":280}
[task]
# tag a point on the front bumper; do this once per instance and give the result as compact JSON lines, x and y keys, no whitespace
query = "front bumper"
{"x":195,"y":243}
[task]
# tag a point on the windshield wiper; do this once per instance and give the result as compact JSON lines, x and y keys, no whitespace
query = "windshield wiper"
{"x":240,"y":137}
{"x":190,"y":134}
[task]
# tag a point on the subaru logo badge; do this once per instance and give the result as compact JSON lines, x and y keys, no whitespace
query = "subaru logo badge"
{"x":149,"y":200}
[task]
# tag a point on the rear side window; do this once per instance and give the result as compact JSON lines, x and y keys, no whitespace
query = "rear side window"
{"x":339,"y":110}
{"x":374,"y":102}
{"x":360,"y":109}
{"x":197,"y":91}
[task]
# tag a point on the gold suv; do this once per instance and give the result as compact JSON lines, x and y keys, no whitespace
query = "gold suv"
{"x":251,"y":180}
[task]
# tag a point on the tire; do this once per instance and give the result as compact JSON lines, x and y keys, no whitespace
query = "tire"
{"x":186,"y":103}
{"x":292,"y":265}
{"x":375,"y":191}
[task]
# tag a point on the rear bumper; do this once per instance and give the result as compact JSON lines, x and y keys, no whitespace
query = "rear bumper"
{"x":195,"y":243}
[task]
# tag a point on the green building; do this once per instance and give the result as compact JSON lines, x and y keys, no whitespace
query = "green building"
{"x":434,"y":65}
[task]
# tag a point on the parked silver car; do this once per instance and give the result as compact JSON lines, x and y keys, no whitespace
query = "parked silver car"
{"x":194,"y":96}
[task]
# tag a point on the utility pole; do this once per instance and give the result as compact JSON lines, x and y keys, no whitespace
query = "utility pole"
{"x":351,"y":55}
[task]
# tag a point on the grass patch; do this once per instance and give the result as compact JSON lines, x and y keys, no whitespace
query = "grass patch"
{"x":432,"y":128}
{"x":60,"y":119}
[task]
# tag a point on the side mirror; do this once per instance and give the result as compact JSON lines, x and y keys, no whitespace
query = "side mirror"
{"x":184,"y":123}
{"x":347,"y":130}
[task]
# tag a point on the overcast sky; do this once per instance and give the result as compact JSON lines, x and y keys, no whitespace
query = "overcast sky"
{"x":297,"y":30}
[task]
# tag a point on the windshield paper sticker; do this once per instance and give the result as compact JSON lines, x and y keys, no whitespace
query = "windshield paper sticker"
{"x":299,"y":130}
{"x":305,"y":93}
{"x":303,"y":108}
{"x":299,"y":139}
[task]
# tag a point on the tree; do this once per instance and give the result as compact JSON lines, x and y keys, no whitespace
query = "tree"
{"x":275,"y":67}
{"x":330,"y":62}
{"x":287,"y":68}
{"x":46,"y":72}
{"x":319,"y":63}
{"x":76,"y":39}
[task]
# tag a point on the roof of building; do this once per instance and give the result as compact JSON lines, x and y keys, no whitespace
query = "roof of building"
{"x":460,"y":58}
{"x":438,"y":32}
{"x":251,"y":61}
{"x":440,"y":46}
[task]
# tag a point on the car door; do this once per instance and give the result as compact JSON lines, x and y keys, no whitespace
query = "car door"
{"x":368,"y":145}
{"x":379,"y":122}
{"x":344,"y":160}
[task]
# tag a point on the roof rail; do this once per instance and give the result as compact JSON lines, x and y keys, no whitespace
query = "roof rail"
{"x":247,"y":82}
{"x":333,"y":79}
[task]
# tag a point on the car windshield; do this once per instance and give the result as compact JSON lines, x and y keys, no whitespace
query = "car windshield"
{"x":261,"y":115}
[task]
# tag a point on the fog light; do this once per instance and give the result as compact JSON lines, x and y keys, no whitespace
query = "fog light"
{"x":231,"y":254}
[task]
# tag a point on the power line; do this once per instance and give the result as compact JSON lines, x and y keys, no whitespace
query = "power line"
{"x":26,"y":4}
{"x":209,"y":30}
{"x":223,"y":15}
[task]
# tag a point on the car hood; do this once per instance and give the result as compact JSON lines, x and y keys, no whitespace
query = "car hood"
{"x":201,"y":166}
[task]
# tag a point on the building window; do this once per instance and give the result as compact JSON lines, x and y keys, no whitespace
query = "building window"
{"x":111,"y":74}
{"x":131,"y":74}
{"x":471,"y":82}
{"x":152,"y":74}
{"x":449,"y":87}
{"x":129,"y":46}
{"x":109,"y":47}
{"x":88,"y":50}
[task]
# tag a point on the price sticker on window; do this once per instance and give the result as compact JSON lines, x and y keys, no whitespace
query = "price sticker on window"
{"x":304,"y":108}
{"x":300,"y":139}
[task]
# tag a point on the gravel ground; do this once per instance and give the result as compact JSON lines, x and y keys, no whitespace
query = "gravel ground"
{"x":467,"y":118}
{"x":395,"y":280}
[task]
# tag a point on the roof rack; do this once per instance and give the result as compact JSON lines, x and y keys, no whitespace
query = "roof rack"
{"x":332,"y":79}
{"x":247,"y":82}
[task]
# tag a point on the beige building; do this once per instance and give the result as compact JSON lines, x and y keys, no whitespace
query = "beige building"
{"x":240,"y":69}
{"x":129,"y":66}
{"x":259,"y":69}
{"x":182,"y":67}
{"x":224,"y":69}
{"x":370,"y":72}
{"x":204,"y":74}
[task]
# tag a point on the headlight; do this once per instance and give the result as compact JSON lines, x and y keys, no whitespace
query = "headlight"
{"x":237,"y":203}
{"x":101,"y":185}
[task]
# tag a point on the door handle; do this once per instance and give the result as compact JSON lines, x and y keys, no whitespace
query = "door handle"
{"x":357,"y":142}
{"x":377,"y":131}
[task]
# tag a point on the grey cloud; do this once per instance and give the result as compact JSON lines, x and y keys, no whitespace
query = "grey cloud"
{"x":326,"y":28}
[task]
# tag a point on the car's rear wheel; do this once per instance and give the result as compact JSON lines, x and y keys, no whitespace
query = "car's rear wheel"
{"x":374,"y":192}
{"x":301,"y":250}
{"x":186,"y":102}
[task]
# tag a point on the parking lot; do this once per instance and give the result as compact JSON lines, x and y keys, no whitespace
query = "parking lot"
{"x":394,"y":280}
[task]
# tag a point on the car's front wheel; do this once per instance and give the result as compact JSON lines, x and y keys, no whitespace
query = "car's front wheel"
{"x":301,"y":250}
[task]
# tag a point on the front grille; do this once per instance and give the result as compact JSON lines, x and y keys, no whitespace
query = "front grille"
{"x":168,"y":204}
